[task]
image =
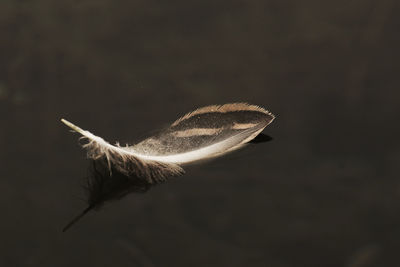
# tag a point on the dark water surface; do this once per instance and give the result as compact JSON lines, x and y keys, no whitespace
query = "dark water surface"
{"x":324,"y":192}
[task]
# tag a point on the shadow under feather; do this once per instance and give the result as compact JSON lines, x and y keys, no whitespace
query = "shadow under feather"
{"x":104,"y":185}
{"x":261,"y":138}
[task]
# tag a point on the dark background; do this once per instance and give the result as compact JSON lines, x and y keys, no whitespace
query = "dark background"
{"x":324,"y":192}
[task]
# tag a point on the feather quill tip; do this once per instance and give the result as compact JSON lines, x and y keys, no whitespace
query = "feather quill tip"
{"x":72,"y":126}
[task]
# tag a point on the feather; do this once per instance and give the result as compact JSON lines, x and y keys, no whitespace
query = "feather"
{"x":202,"y":134}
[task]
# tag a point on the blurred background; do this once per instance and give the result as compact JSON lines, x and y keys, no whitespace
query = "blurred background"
{"x":323,"y":192}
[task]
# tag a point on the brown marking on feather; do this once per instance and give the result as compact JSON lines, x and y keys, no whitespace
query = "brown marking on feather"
{"x":223,"y":109}
{"x":242,"y":126}
{"x":197,"y":132}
